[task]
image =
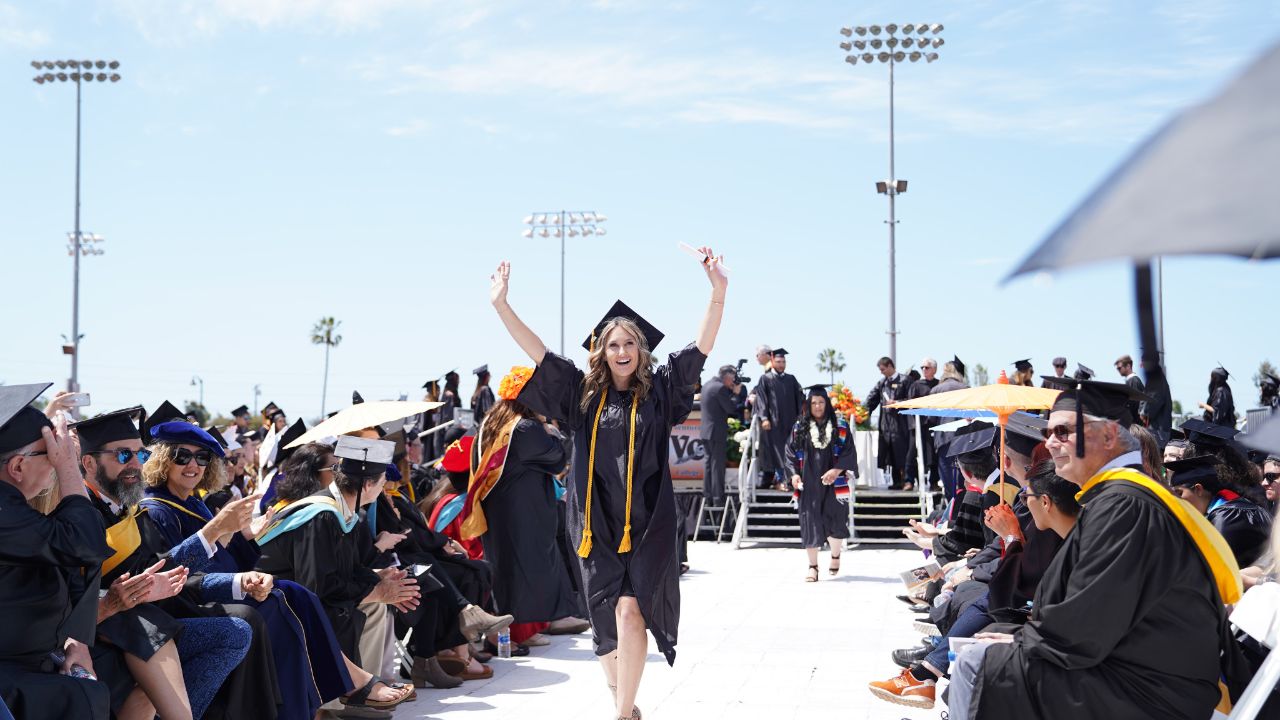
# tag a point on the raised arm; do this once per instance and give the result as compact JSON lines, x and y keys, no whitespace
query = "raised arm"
{"x":715,"y":308}
{"x":524,"y":337}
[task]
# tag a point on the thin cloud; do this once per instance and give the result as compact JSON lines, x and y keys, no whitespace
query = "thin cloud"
{"x":413,"y":127}
{"x":14,"y":32}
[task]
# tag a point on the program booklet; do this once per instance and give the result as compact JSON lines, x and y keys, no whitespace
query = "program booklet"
{"x":916,"y":577}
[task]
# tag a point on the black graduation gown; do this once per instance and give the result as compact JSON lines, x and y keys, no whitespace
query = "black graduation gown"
{"x":892,"y":424}
{"x":760,"y":408}
{"x":822,"y":516}
{"x":786,"y":401}
{"x":1245,"y":525}
{"x":143,"y":629}
{"x":49,"y":581}
{"x":650,"y":571}
{"x":325,"y":559}
{"x":472,"y":578}
{"x":481,"y":403}
{"x":1126,"y":623}
{"x":1224,"y":407}
{"x":966,"y":528}
{"x":522,"y":514}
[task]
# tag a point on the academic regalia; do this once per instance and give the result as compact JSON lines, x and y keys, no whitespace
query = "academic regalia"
{"x":717,"y":404}
{"x":308,"y":668}
{"x":1224,"y":407}
{"x":1245,"y":525}
{"x":892,"y":425}
{"x":521,"y":513}
{"x":822,"y":514}
{"x":473,"y":578}
{"x":762,"y":401}
{"x":650,"y":570}
{"x":483,"y":399}
{"x":1125,"y":623}
{"x":920,"y":388}
{"x":786,"y":398}
{"x":322,"y":555}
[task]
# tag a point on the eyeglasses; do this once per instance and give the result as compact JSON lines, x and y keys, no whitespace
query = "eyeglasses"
{"x":124,"y":455}
{"x":1063,"y":431}
{"x":1270,"y":477}
{"x":33,"y":453}
{"x":184,"y":457}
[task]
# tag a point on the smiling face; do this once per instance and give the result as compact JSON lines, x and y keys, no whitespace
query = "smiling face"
{"x":621,"y":353}
{"x":818,"y":407}
{"x":1101,"y":445}
{"x":183,"y":479}
{"x":122,"y":482}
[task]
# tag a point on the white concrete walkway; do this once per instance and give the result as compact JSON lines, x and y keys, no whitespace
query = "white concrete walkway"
{"x":755,"y":642}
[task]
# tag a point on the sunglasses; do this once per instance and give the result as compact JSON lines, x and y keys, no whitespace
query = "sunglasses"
{"x":1063,"y":431}
{"x":1270,"y":477}
{"x":124,"y":455}
{"x":184,"y":457}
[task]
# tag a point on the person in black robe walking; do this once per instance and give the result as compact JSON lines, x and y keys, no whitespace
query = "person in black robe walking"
{"x":892,"y":457}
{"x":1221,"y":406}
{"x":718,"y":403}
{"x":482,"y":399}
{"x":621,"y":506}
{"x":819,"y":451}
{"x":785,"y":400}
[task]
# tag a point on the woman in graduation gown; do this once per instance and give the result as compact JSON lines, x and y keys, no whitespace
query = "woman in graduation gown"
{"x":1220,"y":408}
{"x":819,"y":451}
{"x":308,"y":662}
{"x":1244,"y":524}
{"x":513,"y":509}
{"x":621,"y":505}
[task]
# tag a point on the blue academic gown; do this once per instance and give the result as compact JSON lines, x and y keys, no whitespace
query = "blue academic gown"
{"x":308,"y":659}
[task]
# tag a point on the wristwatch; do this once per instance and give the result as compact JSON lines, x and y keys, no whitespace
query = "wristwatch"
{"x":1011,"y":539}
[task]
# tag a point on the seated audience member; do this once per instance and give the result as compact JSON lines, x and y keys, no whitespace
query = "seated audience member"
{"x":1244,"y":524}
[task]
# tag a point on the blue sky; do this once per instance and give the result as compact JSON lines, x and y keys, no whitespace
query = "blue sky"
{"x":267,"y":162}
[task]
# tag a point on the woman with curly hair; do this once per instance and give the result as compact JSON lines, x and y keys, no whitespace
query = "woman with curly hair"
{"x":512,"y":509}
{"x":819,"y":451}
{"x":621,"y":507}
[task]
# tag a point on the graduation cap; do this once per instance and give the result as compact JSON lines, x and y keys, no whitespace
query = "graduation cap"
{"x":819,"y":389}
{"x":268,"y":409}
{"x":167,"y":412}
{"x":1099,"y":399}
{"x":1053,"y":382}
{"x":1023,"y":433}
{"x":1220,"y":372}
{"x":293,"y":432}
{"x":1269,"y":379}
{"x":181,"y":432}
{"x":363,"y":457}
{"x":457,"y":456}
{"x":1084,"y":373}
{"x":20,"y":423}
{"x":972,"y":440}
{"x":958,"y":364}
{"x":652,"y":335}
{"x":1202,"y":469}
{"x":242,"y":411}
{"x":433,"y":383}
{"x":780,"y":352}
{"x":1022,"y":365}
{"x":217,"y":435}
{"x":108,"y":427}
{"x":1060,"y":362}
{"x":275,"y":414}
{"x":1208,"y":434}
{"x":356,"y":397}
{"x":482,"y":370}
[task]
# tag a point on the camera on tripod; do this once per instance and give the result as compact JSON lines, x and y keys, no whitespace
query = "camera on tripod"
{"x":738,"y":371}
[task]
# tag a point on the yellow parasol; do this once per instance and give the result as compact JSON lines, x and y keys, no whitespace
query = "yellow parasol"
{"x":1000,"y":398}
{"x":364,"y":415}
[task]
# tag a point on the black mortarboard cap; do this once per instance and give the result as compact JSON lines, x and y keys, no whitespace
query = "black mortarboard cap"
{"x":973,"y":438}
{"x":217,"y":435}
{"x":1269,"y":379}
{"x":356,"y":397}
{"x":1221,"y":372}
{"x":268,"y":409}
{"x":958,"y":364}
{"x":1084,"y":373}
{"x":1022,"y":365}
{"x":1053,"y":382}
{"x":108,"y":427}
{"x":652,"y":336}
{"x":819,"y":389}
{"x":428,"y":384}
{"x":242,"y":411}
{"x":485,"y":368}
{"x":780,"y":352}
{"x":19,"y":422}
{"x":1099,"y":399}
{"x":167,"y":412}
{"x":1022,"y":433}
{"x":1208,"y":434}
{"x":1202,"y":469}
{"x":276,"y":413}
{"x":293,"y":432}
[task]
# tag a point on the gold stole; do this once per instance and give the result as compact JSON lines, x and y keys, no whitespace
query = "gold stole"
{"x":124,"y":539}
{"x":484,"y":476}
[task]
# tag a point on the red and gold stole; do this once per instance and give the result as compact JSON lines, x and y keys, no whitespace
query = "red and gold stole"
{"x":484,"y":477}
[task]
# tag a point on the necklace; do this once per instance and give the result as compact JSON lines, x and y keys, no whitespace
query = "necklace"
{"x":816,"y":440}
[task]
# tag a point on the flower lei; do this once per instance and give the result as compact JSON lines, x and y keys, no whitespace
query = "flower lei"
{"x":816,"y":441}
{"x":513,"y":383}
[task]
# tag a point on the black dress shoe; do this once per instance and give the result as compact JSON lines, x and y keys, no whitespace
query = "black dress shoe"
{"x":907,"y":657}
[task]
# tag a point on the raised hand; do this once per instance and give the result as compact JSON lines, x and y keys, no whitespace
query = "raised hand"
{"x":711,"y":264}
{"x":259,"y":524}
{"x":498,"y":283}
{"x":167,"y":584}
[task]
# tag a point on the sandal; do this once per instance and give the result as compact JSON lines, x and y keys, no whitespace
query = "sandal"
{"x":812,"y":575}
{"x":485,"y":673}
{"x":360,"y":698}
{"x":834,"y":569}
{"x":453,"y":665}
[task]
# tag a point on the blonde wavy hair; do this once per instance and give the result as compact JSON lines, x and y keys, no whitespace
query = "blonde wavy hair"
{"x":155,"y":472}
{"x":597,"y":377}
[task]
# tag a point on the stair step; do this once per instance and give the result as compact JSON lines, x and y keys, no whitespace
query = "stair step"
{"x":773,"y":540}
{"x":773,"y":516}
{"x":885,"y":505}
{"x":886,"y":517}
{"x":862,"y":540}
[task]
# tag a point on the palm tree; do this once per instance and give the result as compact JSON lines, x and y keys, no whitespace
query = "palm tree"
{"x":831,"y":362}
{"x":325,"y":333}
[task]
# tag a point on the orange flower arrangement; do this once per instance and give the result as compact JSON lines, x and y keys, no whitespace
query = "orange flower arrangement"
{"x":849,"y":406}
{"x":513,"y":383}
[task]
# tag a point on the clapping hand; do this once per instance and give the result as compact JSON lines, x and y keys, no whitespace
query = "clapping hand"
{"x":167,"y":584}
{"x":387,"y":540}
{"x":256,"y":585}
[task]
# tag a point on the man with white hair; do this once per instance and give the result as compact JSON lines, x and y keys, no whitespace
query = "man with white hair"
{"x":759,"y":401}
{"x":925,"y":385}
{"x":1128,"y":620}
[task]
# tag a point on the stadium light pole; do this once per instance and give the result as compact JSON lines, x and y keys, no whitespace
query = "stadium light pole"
{"x":564,"y":224}
{"x":81,"y":72}
{"x":917,"y":42}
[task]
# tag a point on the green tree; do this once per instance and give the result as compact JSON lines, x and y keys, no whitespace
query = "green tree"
{"x":325,"y":332}
{"x":1264,"y":368}
{"x":194,"y":409}
{"x":979,"y":375}
{"x":831,"y":362}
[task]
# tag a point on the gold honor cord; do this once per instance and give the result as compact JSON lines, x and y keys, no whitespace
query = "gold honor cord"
{"x":584,"y":549}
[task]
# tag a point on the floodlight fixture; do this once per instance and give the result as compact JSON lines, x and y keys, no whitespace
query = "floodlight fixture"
{"x":884,"y":57}
{"x":847,"y":32}
{"x":931,"y":57}
{"x":891,"y":28}
{"x":908,"y":28}
{"x":860,"y":30}
{"x":846,"y":46}
{"x":936,"y":28}
{"x":875,"y":29}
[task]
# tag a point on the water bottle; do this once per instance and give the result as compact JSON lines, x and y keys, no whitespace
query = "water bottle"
{"x":504,"y":644}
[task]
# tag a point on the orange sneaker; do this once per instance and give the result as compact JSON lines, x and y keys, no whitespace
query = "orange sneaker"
{"x":905,"y":690}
